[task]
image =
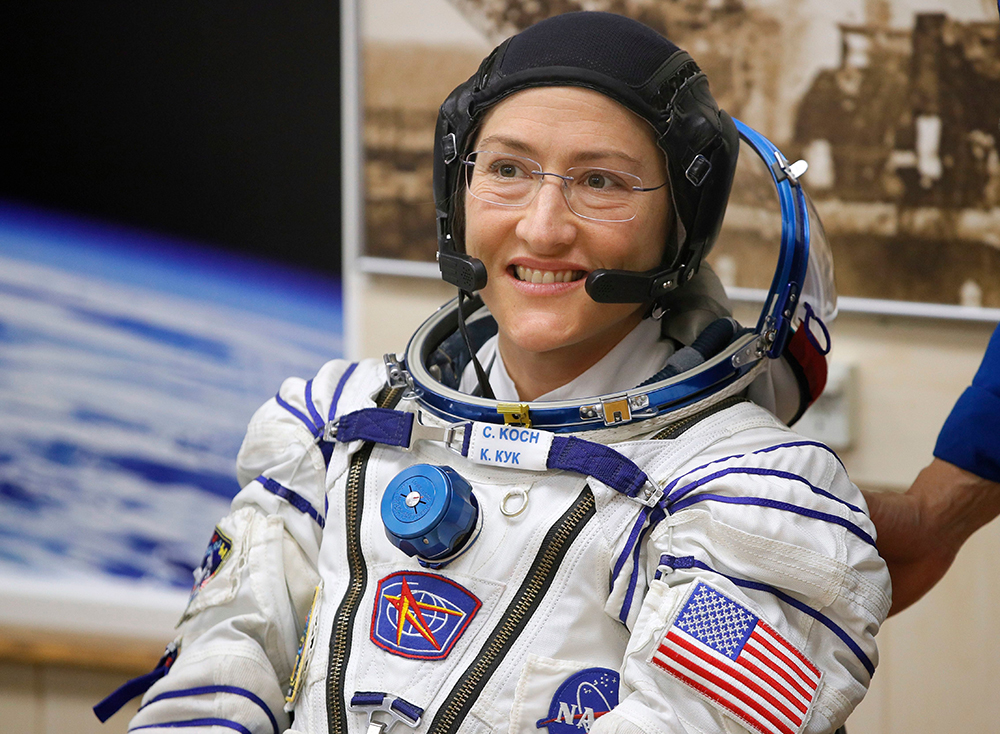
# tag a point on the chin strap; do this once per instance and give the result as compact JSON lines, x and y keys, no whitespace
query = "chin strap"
{"x":484,"y":380}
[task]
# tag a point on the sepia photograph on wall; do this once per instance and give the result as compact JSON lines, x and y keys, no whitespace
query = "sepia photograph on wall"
{"x":894,"y":104}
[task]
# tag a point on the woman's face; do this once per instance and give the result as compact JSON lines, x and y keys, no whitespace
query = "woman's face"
{"x":563,"y":127}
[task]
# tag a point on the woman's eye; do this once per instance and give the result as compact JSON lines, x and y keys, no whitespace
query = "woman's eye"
{"x":506,"y":169}
{"x":602,"y":181}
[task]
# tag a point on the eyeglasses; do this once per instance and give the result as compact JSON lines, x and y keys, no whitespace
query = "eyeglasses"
{"x":599,"y":194}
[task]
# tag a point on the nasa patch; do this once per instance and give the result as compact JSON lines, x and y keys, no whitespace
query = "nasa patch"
{"x":219,"y":548}
{"x":421,"y":615}
{"x":580,"y":700}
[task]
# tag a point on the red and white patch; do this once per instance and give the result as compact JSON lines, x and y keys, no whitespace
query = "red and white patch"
{"x":739,"y":663}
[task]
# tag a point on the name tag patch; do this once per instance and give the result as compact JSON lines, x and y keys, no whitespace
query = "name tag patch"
{"x":421,"y":615}
{"x":510,"y":446}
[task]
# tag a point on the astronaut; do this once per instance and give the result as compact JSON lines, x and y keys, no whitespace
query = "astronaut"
{"x":564,"y":509}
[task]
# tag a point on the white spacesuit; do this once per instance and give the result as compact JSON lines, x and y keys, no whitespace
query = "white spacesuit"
{"x":665,"y":558}
{"x":583,"y":585}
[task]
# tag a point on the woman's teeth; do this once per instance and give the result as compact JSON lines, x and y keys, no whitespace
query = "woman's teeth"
{"x":547,"y":276}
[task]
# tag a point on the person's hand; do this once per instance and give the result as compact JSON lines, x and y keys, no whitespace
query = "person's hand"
{"x":921,"y":530}
{"x":909,"y":542}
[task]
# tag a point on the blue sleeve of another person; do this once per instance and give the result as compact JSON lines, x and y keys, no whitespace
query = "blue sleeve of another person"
{"x":970,"y":438}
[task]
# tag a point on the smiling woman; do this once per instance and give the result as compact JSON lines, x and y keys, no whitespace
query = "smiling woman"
{"x":566,"y":507}
{"x":551,"y":330}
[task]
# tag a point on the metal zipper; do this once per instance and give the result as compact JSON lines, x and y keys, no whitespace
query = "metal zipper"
{"x":538,"y":580}
{"x":554,"y":547}
{"x":343,"y":620}
{"x":676,"y":429}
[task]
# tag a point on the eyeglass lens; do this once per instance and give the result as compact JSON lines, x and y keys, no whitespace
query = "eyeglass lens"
{"x":593,"y":193}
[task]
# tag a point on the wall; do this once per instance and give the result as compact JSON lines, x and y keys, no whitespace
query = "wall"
{"x":64,"y":646}
{"x":54,"y":699}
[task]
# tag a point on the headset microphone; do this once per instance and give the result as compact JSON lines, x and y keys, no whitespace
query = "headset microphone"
{"x":625,"y":286}
{"x":603,"y":286}
{"x":464,"y":271}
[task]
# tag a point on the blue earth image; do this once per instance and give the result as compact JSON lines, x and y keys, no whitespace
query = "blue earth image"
{"x":130,"y":365}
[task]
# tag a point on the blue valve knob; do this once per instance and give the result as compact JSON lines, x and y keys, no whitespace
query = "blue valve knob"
{"x":429,"y":512}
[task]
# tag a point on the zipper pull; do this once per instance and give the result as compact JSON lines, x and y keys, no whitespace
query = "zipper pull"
{"x":397,"y":709}
{"x":397,"y":376}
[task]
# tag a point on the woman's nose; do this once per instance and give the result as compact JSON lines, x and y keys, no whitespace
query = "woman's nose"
{"x":547,"y":222}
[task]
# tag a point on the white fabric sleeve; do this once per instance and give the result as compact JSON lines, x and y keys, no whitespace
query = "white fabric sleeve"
{"x":239,"y":635}
{"x":770,"y":550}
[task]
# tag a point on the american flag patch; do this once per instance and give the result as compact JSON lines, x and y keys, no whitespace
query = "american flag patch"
{"x":739,"y":663}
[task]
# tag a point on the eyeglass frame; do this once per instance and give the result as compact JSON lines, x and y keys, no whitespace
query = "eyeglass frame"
{"x":564,"y":180}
